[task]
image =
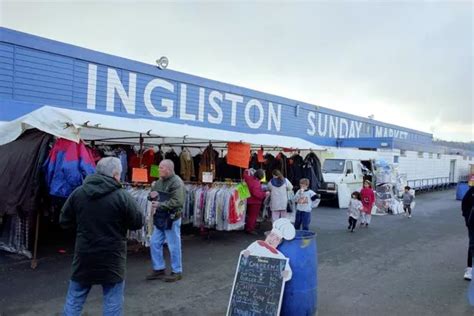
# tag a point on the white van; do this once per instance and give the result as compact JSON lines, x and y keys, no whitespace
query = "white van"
{"x":342,"y":177}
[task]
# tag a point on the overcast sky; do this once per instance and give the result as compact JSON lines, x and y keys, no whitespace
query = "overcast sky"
{"x":408,"y":63}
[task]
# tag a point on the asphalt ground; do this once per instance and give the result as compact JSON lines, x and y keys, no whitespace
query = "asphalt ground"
{"x":397,"y":266}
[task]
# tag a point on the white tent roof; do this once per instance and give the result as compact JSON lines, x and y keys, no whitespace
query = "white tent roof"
{"x":75,"y":125}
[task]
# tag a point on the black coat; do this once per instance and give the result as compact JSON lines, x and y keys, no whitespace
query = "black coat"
{"x":102,"y":212}
{"x":466,"y":206}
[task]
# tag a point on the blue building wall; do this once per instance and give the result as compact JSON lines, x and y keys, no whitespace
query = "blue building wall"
{"x":36,"y":71}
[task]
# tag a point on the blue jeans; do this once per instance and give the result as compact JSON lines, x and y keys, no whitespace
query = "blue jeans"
{"x":173,"y":237}
{"x":302,"y":218}
{"x":77,"y":295}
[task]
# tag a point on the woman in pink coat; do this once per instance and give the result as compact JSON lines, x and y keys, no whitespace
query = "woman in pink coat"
{"x":368,"y":200}
{"x":254,"y":202}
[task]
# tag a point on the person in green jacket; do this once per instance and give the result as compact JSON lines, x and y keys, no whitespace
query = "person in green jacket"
{"x":168,"y":207}
{"x":102,"y":212}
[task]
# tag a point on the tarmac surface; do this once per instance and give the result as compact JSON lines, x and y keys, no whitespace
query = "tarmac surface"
{"x":397,"y":266}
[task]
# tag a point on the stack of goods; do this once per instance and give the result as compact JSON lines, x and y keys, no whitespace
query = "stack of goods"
{"x":389,"y":183}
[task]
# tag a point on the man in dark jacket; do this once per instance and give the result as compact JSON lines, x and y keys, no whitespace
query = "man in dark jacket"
{"x":467,"y":206}
{"x":102,"y":212}
{"x":167,"y":223}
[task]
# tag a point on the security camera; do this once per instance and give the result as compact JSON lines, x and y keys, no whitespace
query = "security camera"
{"x":162,"y":63}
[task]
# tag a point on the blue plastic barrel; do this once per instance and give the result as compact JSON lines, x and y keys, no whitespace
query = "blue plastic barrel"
{"x":301,"y":297}
{"x":461,"y":190}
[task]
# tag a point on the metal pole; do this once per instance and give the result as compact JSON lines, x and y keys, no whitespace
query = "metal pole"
{"x":34,"y":261}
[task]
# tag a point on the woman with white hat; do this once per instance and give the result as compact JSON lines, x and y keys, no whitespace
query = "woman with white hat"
{"x":282,"y":229}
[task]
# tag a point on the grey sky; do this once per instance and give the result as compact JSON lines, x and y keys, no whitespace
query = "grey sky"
{"x":408,"y":63}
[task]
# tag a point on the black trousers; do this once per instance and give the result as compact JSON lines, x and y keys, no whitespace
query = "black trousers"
{"x":407,"y":208}
{"x":352,"y":223}
{"x":470,"y":249}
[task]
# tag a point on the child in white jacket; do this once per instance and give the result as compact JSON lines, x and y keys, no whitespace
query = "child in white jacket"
{"x":355,"y":207}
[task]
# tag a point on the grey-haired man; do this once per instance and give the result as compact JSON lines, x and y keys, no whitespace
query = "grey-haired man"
{"x":102,"y":212}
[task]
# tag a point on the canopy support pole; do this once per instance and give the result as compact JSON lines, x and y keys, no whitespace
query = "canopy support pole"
{"x":34,"y":261}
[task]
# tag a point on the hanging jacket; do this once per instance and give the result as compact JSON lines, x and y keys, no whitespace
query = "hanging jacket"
{"x":295,"y":171}
{"x":102,"y":212}
{"x":312,"y":171}
{"x":173,"y":156}
{"x":21,"y":172}
{"x":256,"y":193}
{"x":208,"y":162}
{"x":186,"y":165}
{"x":67,"y":166}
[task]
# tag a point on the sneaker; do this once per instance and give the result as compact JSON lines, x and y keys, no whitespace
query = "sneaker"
{"x":409,"y":216}
{"x":156,"y":274}
{"x":468,"y":274}
{"x":367,"y":225}
{"x":173,"y":277}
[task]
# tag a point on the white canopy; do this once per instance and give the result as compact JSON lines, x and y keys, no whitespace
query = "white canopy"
{"x":75,"y":125}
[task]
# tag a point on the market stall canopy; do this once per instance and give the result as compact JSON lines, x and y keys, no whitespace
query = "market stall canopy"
{"x":76,"y":125}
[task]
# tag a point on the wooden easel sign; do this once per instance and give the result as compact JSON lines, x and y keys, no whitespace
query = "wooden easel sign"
{"x":258,"y":287}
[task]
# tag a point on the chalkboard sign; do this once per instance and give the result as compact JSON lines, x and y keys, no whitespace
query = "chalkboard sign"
{"x":258,"y":287}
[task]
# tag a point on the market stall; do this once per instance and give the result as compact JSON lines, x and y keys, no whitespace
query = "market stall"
{"x":73,"y":141}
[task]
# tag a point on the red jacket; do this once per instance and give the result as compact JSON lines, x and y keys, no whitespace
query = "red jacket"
{"x":368,"y":199}
{"x":257,"y":195}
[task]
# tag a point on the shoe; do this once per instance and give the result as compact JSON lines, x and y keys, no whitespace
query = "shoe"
{"x":156,"y":274}
{"x":252,"y":232}
{"x":349,"y":227}
{"x":173,"y":277}
{"x":468,"y":274}
{"x":366,"y":225}
{"x":409,"y":216}
{"x":352,"y":230}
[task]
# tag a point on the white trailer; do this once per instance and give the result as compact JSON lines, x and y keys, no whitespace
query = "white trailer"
{"x":343,"y":170}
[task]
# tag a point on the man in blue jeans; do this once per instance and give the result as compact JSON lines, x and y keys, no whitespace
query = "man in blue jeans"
{"x":168,"y":206}
{"x":102,"y":212}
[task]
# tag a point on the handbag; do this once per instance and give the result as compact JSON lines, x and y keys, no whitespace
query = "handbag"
{"x":290,"y":205}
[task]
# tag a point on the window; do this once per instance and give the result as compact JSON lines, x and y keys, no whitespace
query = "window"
{"x":403,"y":153}
{"x":420,"y":154}
{"x":439,"y":156}
{"x":333,"y":166}
{"x":431,"y":155}
{"x":464,"y":158}
{"x":395,"y":159}
{"x":470,"y":158}
{"x":349,"y":168}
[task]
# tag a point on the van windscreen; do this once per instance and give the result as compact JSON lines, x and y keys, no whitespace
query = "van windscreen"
{"x":333,"y":166}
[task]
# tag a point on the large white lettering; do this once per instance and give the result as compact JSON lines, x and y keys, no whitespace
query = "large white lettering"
{"x":378,"y":131}
{"x":182,"y":105}
{"x":91,"y":86}
{"x":248,"y":107}
{"x":358,"y":126}
{"x":274,"y":117}
{"x":114,"y":84}
{"x":202,"y":95}
{"x":311,"y":131}
{"x":333,"y":124}
{"x":166,"y":103}
{"x":343,"y":128}
{"x":213,"y":96}
{"x":234,"y":99}
{"x":322,"y":132}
